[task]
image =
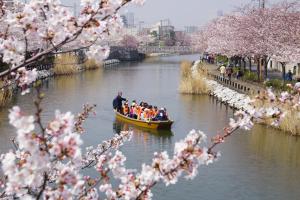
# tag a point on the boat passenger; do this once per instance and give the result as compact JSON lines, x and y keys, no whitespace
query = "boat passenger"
{"x":166,"y":114}
{"x":117,"y":102}
{"x":161,"y":116}
{"x":139,"y":112}
{"x":142,"y":104}
{"x":126,"y":109}
{"x":150,"y":107}
{"x":133,"y":111}
{"x":154,"y":112}
{"x":146,"y":114}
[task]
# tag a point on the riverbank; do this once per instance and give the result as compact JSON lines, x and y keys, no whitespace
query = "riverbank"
{"x":243,"y":101}
{"x":8,"y":90}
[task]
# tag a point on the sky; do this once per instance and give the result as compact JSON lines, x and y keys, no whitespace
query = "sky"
{"x":181,"y":12}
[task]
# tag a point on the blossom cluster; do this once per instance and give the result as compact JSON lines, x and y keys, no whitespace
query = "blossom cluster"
{"x":251,"y":32}
{"x":36,"y":28}
{"x":188,"y":156}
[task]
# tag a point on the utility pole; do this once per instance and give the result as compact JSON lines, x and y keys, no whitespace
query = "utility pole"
{"x":75,"y":9}
{"x":262,"y":4}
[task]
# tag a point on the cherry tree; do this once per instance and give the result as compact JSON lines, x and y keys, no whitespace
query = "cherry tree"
{"x":182,"y":38}
{"x":48,"y":161}
{"x":130,"y":41}
{"x":256,"y":33}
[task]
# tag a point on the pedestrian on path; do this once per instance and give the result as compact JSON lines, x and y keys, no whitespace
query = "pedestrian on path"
{"x":289,"y":76}
{"x":229,"y":72}
{"x":222,"y":71}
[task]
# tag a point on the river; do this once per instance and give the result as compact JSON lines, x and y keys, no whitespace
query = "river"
{"x":261,"y":164}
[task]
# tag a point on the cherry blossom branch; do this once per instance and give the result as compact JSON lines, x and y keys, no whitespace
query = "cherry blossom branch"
{"x":43,"y":187}
{"x":93,"y":155}
{"x":81,"y":117}
{"x":67,"y":40}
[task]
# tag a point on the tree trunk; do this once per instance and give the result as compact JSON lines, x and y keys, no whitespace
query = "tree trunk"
{"x":244,"y":61}
{"x":250,"y":64}
{"x":283,"y":70}
{"x":266,"y":61}
{"x":258,"y":68}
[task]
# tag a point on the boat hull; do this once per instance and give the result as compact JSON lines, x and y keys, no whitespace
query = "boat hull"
{"x":165,"y":125}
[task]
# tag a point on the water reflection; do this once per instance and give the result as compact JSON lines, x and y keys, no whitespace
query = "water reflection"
{"x":275,"y":146}
{"x":143,"y":135}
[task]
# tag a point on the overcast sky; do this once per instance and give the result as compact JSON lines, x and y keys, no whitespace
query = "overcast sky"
{"x":181,"y":12}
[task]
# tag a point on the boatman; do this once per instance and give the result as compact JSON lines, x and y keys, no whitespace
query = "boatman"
{"x":117,"y":102}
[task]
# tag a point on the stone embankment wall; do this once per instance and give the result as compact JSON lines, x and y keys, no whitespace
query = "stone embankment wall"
{"x":235,"y":99}
{"x":125,"y":54}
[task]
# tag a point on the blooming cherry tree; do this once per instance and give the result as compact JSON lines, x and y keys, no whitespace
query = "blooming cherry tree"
{"x":48,"y":161}
{"x":262,"y":34}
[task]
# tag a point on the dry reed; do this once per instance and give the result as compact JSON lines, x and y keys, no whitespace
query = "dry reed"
{"x":65,"y":64}
{"x":193,"y":82}
{"x":291,"y":120}
{"x":91,"y":64}
{"x":5,"y":95}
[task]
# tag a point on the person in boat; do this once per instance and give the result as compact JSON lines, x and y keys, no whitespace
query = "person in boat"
{"x":162,"y":115}
{"x":146,"y":114}
{"x":133,"y":110}
{"x":117,"y":102}
{"x":166,"y":114}
{"x":126,"y":109}
{"x":142,"y":104}
{"x":151,"y":113}
{"x":154,"y":113}
{"x":143,"y":115}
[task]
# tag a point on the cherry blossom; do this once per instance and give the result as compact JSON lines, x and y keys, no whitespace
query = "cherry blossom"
{"x":49,"y":160}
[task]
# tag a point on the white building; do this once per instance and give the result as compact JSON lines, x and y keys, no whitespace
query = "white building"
{"x":277,"y":66}
{"x":191,"y":29}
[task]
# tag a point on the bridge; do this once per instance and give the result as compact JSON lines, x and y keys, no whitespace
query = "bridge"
{"x":166,"y":49}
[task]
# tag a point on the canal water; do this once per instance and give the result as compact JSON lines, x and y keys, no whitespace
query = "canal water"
{"x":261,"y":164}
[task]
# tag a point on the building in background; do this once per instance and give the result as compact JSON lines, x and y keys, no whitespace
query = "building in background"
{"x":191,"y":29}
{"x":277,"y":66}
{"x":163,"y":32}
{"x":128,"y":20}
{"x":124,"y":20}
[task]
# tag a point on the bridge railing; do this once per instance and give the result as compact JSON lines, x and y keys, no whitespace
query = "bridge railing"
{"x":165,"y":49}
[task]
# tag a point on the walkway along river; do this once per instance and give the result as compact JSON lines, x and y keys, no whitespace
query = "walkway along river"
{"x":261,"y":164}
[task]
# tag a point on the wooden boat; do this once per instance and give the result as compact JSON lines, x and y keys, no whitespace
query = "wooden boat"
{"x":166,"y":125}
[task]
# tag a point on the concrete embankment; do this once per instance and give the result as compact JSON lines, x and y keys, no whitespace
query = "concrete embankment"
{"x":226,"y":95}
{"x":242,"y":101}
